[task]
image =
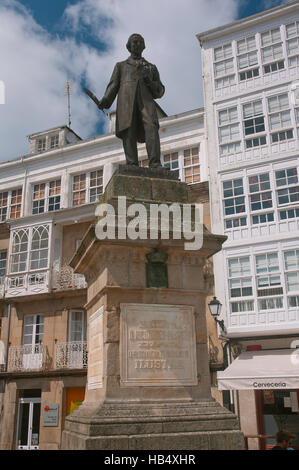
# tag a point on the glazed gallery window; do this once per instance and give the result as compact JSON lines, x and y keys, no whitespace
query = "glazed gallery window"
{"x":260,"y":196}
{"x":234,"y":201}
{"x":286,"y":177}
{"x":247,"y":53}
{"x":271,"y":303}
{"x":248,"y":74}
{"x":263,"y":218}
{"x":279,"y":65}
{"x":229,"y":130}
{"x":267,"y":270}
{"x":240,"y":281}
{"x":289,"y":214}
{"x":223,"y":52}
{"x":223,"y":66}
{"x":191,"y":165}
{"x":291,"y":260}
{"x":271,"y":45}
{"x":242,"y":306}
{"x":226,"y":67}
{"x":254,"y":123}
{"x":280,"y":117}
{"x":253,"y":119}
{"x":30,"y":249}
{"x":10,"y":204}
{"x":292,"y":33}
{"x":87,"y":187}
{"x":225,"y":81}
{"x":288,"y":180}
{"x":46,"y":197}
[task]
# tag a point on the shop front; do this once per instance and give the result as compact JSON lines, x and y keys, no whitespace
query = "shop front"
{"x":269,"y":382}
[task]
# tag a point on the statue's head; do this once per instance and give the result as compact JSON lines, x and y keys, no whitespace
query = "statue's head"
{"x":136,"y":38}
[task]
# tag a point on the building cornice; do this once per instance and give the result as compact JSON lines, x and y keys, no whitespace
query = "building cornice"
{"x":103,"y":139}
{"x":248,"y":22}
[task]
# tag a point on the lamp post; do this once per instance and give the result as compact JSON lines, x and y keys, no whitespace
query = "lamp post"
{"x":215,"y":309}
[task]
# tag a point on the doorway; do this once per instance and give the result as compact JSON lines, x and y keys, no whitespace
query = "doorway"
{"x":28,"y":423}
{"x":277,"y":410}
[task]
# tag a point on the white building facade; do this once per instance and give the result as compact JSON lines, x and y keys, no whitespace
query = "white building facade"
{"x":251,"y":92}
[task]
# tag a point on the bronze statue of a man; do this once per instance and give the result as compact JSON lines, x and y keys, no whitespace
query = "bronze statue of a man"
{"x":137,"y":83}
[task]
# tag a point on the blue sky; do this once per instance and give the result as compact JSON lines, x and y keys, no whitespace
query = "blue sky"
{"x":44,"y":43}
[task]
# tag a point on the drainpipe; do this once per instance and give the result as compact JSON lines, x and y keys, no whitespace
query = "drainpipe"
{"x":7,"y":335}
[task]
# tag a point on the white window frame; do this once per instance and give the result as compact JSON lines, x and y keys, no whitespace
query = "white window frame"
{"x":72,"y":321}
{"x":261,"y":193}
{"x":10,"y":204}
{"x":171,"y":160}
{"x":37,"y":324}
{"x":289,"y":188}
{"x":268,"y":274}
{"x":47,"y":197}
{"x":236,"y":203}
{"x":292,"y":38}
{"x":193,"y":167}
{"x":41,"y":144}
{"x":88,"y":188}
{"x":244,"y":278}
{"x":53,"y":141}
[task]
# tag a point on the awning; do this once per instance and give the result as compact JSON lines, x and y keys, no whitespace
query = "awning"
{"x":257,"y":370}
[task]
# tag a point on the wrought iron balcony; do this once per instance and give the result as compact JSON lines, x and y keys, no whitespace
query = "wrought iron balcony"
{"x":64,"y":278}
{"x":27,"y":358}
{"x":71,"y":355}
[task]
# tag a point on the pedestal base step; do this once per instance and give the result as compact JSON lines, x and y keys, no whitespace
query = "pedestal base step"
{"x":181,"y":426}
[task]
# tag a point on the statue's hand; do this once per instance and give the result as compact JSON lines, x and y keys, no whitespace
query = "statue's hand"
{"x":147,"y":74}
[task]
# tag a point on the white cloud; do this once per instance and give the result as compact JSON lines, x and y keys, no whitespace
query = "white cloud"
{"x":36,"y":65}
{"x":35,"y":68}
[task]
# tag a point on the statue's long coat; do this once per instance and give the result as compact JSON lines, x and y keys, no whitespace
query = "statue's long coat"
{"x":124,"y":82}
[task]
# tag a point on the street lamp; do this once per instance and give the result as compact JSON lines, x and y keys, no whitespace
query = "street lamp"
{"x":215,"y":309}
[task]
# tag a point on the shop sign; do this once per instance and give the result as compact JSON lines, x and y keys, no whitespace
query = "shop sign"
{"x":50,"y":414}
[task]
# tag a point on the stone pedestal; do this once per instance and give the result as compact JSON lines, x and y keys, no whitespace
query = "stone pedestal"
{"x":148,"y":381}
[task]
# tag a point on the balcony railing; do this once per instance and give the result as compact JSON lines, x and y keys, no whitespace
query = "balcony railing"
{"x":64,"y":278}
{"x":71,"y":355}
{"x":26,"y":284}
{"x":43,"y":281}
{"x":27,"y":358}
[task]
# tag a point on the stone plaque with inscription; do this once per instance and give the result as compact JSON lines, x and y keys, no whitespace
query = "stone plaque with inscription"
{"x":157,"y":345}
{"x":95,"y":357}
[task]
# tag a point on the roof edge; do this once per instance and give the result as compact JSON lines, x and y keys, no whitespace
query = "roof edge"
{"x":238,"y":24}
